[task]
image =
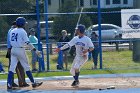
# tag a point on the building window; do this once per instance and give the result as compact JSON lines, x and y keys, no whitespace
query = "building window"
{"x":82,"y":3}
{"x":90,"y":3}
{"x":116,"y":1}
{"x":94,"y":2}
{"x":62,"y":1}
{"x":107,"y":2}
{"x":125,"y":1}
{"x":49,"y":2}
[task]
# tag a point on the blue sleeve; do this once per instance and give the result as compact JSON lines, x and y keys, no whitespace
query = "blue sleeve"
{"x":8,"y":39}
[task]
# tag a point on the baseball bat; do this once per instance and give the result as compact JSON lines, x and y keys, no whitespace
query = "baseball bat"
{"x":108,"y":88}
{"x":79,"y":18}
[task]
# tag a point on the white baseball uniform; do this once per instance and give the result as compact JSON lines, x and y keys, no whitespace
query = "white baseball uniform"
{"x":18,"y":39}
{"x":81,"y":44}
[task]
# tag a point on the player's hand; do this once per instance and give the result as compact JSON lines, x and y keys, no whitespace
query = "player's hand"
{"x":85,"y":52}
{"x":39,"y":54}
{"x":57,"y":50}
{"x":85,"y":56}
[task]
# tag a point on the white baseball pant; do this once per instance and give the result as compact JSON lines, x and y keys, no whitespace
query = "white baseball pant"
{"x":78,"y":62}
{"x":19,"y":55}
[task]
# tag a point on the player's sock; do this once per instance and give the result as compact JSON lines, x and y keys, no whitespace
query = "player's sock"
{"x":29,"y":74}
{"x":76,"y":77}
{"x":10,"y":77}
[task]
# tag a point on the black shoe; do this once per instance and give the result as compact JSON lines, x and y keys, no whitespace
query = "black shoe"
{"x":14,"y":85}
{"x":24,"y":85}
{"x":9,"y":88}
{"x":75,"y":83}
{"x":36,"y":84}
{"x":34,"y":70}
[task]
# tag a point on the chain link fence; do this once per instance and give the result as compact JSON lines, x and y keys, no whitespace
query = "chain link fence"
{"x":117,"y":53}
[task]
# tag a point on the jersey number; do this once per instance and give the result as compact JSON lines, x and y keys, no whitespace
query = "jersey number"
{"x":14,"y":36}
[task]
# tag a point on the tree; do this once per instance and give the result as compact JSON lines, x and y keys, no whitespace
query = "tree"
{"x":112,"y":15}
{"x":69,"y":21}
{"x":3,"y":28}
{"x":12,"y":7}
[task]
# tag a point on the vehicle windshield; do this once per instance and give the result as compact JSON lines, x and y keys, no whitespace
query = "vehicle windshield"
{"x":104,"y":27}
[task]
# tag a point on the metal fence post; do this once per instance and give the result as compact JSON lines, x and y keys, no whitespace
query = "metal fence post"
{"x":42,"y":59}
{"x":100,"y":39}
{"x":38,"y":35}
{"x":60,"y":58}
{"x":47,"y":38}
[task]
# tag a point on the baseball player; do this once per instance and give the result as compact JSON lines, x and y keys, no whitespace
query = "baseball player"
{"x":19,"y":38}
{"x":83,"y":44}
{"x":19,"y":68}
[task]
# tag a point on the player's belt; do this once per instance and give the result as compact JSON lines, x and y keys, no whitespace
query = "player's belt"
{"x":17,"y":47}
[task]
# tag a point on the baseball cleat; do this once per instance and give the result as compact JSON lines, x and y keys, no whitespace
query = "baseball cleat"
{"x":14,"y":85}
{"x":9,"y":88}
{"x":24,"y":85}
{"x":75,"y":83}
{"x":36,"y":84}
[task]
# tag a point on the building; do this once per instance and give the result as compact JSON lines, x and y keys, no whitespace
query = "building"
{"x":137,"y":4}
{"x":54,"y":5}
{"x":106,"y":3}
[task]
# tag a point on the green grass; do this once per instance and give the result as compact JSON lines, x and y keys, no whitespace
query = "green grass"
{"x":119,"y":61}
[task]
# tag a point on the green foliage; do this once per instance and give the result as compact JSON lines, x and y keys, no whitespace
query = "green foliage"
{"x":112,"y":17}
{"x":12,"y":7}
{"x":3,"y":28}
{"x":68,"y":22}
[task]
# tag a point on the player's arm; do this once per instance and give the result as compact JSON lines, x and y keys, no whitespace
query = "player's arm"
{"x":34,"y":49}
{"x":27,"y":42}
{"x":62,"y":48}
{"x":30,"y":45}
{"x":85,"y":51}
{"x":68,"y":45}
{"x":8,"y":40}
{"x":89,"y":47}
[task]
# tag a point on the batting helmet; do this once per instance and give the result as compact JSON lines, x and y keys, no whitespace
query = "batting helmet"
{"x":81,"y":28}
{"x":20,"y":21}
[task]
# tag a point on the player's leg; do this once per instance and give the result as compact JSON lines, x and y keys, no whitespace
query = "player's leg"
{"x":11,"y":71}
{"x":21,"y":75}
{"x":24,"y":63}
{"x":8,"y":55}
{"x":13,"y":83}
{"x":75,"y":70}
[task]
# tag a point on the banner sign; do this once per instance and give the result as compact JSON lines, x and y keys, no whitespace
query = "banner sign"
{"x":130,"y":19}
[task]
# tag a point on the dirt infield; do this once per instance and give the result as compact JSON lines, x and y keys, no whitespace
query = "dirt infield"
{"x":88,"y":84}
